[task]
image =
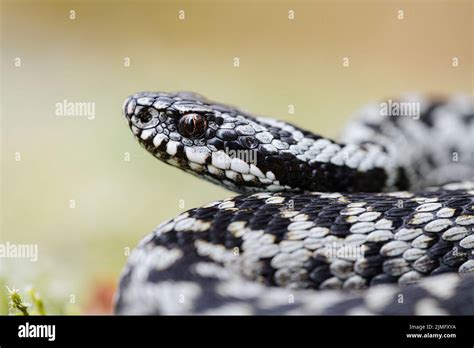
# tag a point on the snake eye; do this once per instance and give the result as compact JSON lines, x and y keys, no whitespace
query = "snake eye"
{"x":192,"y":125}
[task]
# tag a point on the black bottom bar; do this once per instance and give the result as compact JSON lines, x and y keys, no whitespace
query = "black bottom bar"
{"x":136,"y":330}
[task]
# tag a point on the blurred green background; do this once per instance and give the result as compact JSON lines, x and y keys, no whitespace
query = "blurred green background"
{"x":283,"y":61}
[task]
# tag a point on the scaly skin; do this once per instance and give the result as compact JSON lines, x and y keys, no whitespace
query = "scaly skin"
{"x":268,"y":253}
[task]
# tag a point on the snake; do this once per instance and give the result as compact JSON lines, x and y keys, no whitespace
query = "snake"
{"x":379,"y":222}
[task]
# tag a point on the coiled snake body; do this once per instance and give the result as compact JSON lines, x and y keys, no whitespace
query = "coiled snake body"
{"x":378,"y":224}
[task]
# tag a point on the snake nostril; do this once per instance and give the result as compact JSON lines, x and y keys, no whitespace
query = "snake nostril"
{"x":144,"y":116}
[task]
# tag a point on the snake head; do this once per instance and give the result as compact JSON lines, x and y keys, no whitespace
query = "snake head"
{"x":214,"y":141}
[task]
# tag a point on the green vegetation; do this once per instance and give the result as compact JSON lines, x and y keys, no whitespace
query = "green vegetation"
{"x":17,"y":306}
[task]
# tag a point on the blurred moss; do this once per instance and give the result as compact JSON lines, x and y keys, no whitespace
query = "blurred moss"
{"x":16,"y":303}
{"x":28,"y":301}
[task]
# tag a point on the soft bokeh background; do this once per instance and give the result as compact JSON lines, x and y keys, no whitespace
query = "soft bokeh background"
{"x":282,"y":62}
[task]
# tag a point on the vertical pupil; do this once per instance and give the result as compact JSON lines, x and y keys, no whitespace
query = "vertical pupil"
{"x":190,"y":124}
